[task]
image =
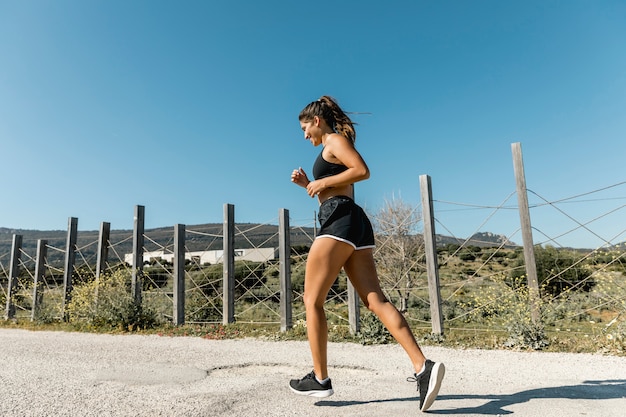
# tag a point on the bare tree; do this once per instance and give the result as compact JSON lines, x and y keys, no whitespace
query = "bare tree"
{"x":400,"y":249}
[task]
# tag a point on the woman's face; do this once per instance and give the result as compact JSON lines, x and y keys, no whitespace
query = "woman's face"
{"x":312,"y":131}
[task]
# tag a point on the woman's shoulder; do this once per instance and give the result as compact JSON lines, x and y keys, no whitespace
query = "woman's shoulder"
{"x":337,"y":140}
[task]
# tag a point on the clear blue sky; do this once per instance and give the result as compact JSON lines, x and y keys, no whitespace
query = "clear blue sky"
{"x":184,"y":106}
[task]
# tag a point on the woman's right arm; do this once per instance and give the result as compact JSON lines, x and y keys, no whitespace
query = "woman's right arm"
{"x":299,"y":177}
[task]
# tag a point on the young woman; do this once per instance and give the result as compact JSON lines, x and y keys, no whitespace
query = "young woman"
{"x":345,"y":240}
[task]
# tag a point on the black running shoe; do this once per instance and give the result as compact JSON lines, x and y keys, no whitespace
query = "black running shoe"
{"x":309,"y":386}
{"x":428,"y":383}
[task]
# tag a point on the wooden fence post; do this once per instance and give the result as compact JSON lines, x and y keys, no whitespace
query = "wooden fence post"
{"x":284,"y":256}
{"x":527,"y":234}
{"x":14,"y":268}
{"x":137,"y":267}
{"x":70,"y":257}
{"x":103,"y":248}
{"x":39,"y":279}
{"x":354,"y":311}
{"x":430,"y":245}
{"x":179,"y":274}
{"x":228,"y":258}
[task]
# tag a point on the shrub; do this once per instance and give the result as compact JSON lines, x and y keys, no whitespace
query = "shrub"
{"x":298,"y":250}
{"x":526,"y":334}
{"x":373,"y":332}
{"x":108,"y":304}
{"x":559,"y":270}
{"x":509,"y":306}
{"x":200,"y":307}
{"x":496,"y":254}
{"x":297,"y":279}
{"x":615,"y":339}
{"x":611,"y":289}
{"x":467,"y":256}
{"x":248,"y":275}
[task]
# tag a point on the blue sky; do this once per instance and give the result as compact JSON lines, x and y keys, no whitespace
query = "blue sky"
{"x":184,"y":106}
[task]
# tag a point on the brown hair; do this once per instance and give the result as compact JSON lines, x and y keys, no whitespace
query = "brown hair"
{"x":327,"y":108}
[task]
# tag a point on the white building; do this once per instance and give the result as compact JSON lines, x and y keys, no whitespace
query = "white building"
{"x":209,"y":256}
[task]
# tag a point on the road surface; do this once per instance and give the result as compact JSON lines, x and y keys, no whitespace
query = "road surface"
{"x":78,"y":374}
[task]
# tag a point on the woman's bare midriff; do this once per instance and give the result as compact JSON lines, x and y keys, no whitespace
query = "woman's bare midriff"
{"x":335,"y":191}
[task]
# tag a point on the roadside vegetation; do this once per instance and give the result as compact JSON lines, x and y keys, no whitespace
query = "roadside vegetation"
{"x":485,"y":298}
{"x":582,"y":310}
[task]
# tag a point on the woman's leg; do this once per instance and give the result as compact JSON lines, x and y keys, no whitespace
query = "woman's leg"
{"x":326,"y":258}
{"x":361,"y":270}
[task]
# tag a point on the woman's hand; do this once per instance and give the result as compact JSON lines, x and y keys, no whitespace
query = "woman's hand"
{"x":298,"y":177}
{"x":315,"y":187}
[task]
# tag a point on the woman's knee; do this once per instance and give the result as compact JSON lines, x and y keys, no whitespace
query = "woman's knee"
{"x":313,"y":301}
{"x":376,"y":303}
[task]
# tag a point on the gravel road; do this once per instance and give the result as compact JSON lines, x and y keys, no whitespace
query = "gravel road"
{"x":77,"y":374}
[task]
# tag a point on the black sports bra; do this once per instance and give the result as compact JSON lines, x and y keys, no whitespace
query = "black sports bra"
{"x":322,"y":168}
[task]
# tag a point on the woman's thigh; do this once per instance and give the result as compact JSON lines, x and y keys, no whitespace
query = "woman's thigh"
{"x":326,"y":258}
{"x":361,"y":270}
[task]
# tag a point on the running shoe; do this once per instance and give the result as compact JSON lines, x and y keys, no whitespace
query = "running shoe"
{"x":429,"y":382}
{"x":311,"y":387}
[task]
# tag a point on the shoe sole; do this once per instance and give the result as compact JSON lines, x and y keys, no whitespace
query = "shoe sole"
{"x":434,"y":384}
{"x":317,"y":394}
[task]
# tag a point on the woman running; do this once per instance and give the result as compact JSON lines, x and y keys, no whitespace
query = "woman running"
{"x":345,"y":240}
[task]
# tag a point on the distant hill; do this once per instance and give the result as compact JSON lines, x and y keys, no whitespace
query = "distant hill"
{"x":491,"y":239}
{"x":619,"y":246}
{"x":198,"y":238}
{"x":482,"y":239}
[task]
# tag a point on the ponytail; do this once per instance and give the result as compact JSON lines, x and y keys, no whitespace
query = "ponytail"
{"x":328,"y":109}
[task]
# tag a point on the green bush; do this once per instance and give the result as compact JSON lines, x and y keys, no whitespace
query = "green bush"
{"x":615,"y":338}
{"x":508,"y":304}
{"x":200,"y":307}
{"x":373,"y":332}
{"x":567,"y":309}
{"x":495,"y":254}
{"x":526,"y":334}
{"x":297,"y":279}
{"x":611,"y":289}
{"x":248,"y":275}
{"x":467,"y":256}
{"x":108,"y":304}
{"x":559,"y":270}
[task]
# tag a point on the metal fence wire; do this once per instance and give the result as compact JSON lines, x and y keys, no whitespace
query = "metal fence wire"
{"x":482,"y":278}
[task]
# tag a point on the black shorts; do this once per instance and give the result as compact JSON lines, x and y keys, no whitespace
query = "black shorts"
{"x":342,"y":219}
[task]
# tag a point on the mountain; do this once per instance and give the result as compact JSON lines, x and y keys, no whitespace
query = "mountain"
{"x":492,"y":239}
{"x":482,"y":239}
{"x":198,"y":238}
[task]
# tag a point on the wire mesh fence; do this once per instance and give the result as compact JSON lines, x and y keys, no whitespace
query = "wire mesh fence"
{"x":257,"y":286}
{"x":482,"y":278}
